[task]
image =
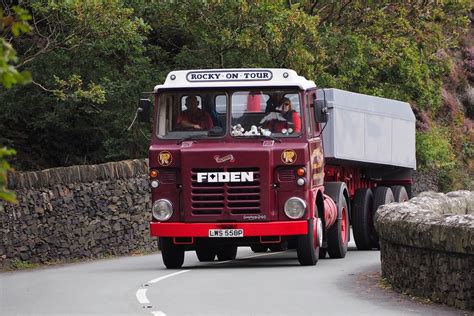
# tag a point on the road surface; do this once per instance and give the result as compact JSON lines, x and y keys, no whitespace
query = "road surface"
{"x":254,"y":284}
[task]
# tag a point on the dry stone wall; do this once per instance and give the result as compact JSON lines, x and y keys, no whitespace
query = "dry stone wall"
{"x":76,"y":213}
{"x":427,"y":246}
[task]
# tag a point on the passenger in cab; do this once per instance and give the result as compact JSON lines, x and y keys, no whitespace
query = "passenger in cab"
{"x":291,"y":119}
{"x":194,"y":118}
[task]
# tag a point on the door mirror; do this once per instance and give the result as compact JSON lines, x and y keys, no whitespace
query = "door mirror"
{"x":143,"y":110}
{"x":320,"y":110}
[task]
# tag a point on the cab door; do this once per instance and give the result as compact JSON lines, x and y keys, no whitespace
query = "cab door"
{"x":315,"y":142}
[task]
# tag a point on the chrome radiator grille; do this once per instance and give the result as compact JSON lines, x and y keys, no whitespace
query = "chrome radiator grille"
{"x":233,"y":197}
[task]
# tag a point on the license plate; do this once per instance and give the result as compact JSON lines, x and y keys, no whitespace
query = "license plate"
{"x":226,"y":233}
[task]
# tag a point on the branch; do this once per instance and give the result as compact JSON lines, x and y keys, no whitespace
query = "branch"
{"x":42,"y":87}
{"x":311,"y":11}
{"x":342,"y":9}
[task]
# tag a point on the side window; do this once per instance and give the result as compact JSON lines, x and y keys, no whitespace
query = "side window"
{"x":221,"y":104}
{"x":310,"y":123}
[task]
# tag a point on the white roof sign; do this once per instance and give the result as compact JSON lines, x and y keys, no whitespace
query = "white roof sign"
{"x":243,"y":77}
{"x":222,"y":75}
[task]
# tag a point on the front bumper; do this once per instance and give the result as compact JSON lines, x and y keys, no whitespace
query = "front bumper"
{"x":286,"y":228}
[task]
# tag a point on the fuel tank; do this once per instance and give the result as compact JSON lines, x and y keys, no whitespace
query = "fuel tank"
{"x":330,"y":211}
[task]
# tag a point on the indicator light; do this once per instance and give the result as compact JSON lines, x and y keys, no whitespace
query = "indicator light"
{"x":153,"y":174}
{"x":300,"y":172}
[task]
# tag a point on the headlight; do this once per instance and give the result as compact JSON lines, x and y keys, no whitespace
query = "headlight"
{"x":295,"y":208}
{"x":162,"y":210}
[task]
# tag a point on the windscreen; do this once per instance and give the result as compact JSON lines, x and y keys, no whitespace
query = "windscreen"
{"x":202,"y":114}
{"x":265,"y":112}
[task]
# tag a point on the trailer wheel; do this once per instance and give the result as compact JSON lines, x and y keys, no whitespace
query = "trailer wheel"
{"x":362,"y":222}
{"x":226,"y":253}
{"x":205,"y":254}
{"x":400,"y":193}
{"x":173,"y":255}
{"x":382,"y":196}
{"x":283,"y":246}
{"x":338,"y":233}
{"x":308,"y":245}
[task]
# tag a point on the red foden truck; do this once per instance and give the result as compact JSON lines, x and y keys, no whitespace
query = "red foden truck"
{"x":262,"y":158}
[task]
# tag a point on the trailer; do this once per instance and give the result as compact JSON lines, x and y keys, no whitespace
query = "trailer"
{"x":262,"y":158}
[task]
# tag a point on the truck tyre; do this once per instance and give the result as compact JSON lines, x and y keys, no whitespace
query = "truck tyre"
{"x":259,"y":248}
{"x":399,"y":193}
{"x":205,"y":254}
{"x":283,"y":246}
{"x":382,"y":196}
{"x":226,"y":253}
{"x":362,"y":222}
{"x":173,"y":255}
{"x":338,"y":233}
{"x":322,"y":253}
{"x":308,"y":245}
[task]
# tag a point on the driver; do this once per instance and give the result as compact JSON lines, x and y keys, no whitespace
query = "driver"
{"x":194,"y":117}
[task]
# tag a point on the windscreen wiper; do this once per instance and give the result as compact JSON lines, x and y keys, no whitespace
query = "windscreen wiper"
{"x":266,"y":137}
{"x":192,"y":137}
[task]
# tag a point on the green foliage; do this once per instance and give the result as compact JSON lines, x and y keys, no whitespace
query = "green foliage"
{"x":12,"y":25}
{"x":17,"y":264}
{"x":72,"y":89}
{"x":5,"y":194}
{"x":91,"y":60}
{"x":434,"y":149}
{"x":89,"y":64}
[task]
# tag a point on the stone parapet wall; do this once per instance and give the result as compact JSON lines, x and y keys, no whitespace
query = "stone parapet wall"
{"x":76,"y":213}
{"x":427,"y":246}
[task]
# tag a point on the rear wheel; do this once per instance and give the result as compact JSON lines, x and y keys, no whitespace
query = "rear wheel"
{"x":362,"y":222}
{"x":205,"y":254}
{"x":399,"y":193}
{"x":173,"y":255}
{"x":338,"y":233}
{"x":259,"y":248}
{"x":308,"y":245}
{"x":226,"y":253}
{"x":382,"y":196}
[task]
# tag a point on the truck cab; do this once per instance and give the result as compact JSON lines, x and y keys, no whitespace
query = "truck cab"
{"x":236,"y":159}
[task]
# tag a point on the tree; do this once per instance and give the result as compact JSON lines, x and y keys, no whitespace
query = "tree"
{"x":10,"y":26}
{"x":89,"y":63}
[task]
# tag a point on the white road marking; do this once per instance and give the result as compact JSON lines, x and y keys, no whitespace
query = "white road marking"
{"x":141,"y":293}
{"x":141,"y":296}
{"x":167,"y":276}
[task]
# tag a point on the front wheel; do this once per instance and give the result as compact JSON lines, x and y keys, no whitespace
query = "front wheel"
{"x":308,"y":245}
{"x":173,"y":255}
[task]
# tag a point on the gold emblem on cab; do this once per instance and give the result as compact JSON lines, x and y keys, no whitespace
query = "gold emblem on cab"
{"x":165,"y":158}
{"x":288,"y":156}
